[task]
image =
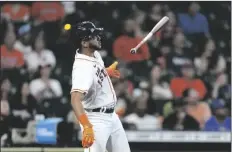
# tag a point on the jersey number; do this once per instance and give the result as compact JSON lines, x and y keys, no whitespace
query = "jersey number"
{"x":101,"y":74}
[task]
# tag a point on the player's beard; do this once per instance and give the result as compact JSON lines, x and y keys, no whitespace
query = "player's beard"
{"x":95,"y":46}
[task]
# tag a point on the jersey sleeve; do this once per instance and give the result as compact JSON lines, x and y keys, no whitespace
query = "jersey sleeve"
{"x":82,"y":76}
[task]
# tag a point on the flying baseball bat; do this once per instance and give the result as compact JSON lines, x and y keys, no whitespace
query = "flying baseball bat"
{"x":156,"y":28}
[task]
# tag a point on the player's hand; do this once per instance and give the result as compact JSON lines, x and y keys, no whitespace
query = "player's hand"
{"x":113,"y":73}
{"x":88,"y":136}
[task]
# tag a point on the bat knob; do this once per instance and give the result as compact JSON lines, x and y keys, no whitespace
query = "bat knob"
{"x":132,"y":51}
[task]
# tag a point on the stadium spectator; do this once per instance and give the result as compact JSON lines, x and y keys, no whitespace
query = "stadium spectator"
{"x":172,"y":18}
{"x":6,"y":87}
{"x":123,"y":89}
{"x":5,"y":112}
{"x":148,"y":23}
{"x":5,"y":109}
{"x":195,"y":27}
{"x":169,"y":30}
{"x":220,"y":121}
{"x":139,"y":17}
{"x":123,"y":44}
{"x":179,"y":119}
{"x":179,"y":84}
{"x":121,"y":107}
{"x":193,"y":22}
{"x":40,"y":55}
{"x":23,"y":103}
{"x":160,"y":88}
{"x":69,"y":7}
{"x":47,"y":11}
{"x":23,"y":43}
{"x":210,"y":59}
{"x":225,"y":93}
{"x":153,"y":17}
{"x":139,"y":117}
{"x":10,"y":57}
{"x":16,"y":12}
{"x":178,"y":56}
{"x":45,"y":87}
{"x":195,"y":108}
{"x":217,"y":63}
{"x":220,"y":83}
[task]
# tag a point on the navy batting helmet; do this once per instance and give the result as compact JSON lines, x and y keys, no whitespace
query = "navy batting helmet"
{"x":86,"y":30}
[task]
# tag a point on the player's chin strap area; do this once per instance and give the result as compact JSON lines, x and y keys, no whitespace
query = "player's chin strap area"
{"x":101,"y":110}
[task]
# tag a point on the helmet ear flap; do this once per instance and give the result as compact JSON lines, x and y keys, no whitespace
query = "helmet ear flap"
{"x":83,"y":33}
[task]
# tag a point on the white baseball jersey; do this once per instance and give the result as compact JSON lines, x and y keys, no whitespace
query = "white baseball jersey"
{"x":90,"y":77}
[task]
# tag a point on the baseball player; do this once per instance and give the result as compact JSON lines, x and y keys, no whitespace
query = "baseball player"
{"x":93,"y":97}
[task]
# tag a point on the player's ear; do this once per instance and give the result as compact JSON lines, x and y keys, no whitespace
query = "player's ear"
{"x":84,"y":43}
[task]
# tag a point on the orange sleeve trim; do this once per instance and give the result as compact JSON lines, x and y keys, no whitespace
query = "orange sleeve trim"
{"x":78,"y":90}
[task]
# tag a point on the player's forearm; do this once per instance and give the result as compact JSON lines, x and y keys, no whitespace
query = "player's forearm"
{"x":76,"y":104}
{"x":79,"y":111}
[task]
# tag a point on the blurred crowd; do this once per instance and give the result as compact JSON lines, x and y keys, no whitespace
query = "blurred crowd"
{"x":178,"y":80}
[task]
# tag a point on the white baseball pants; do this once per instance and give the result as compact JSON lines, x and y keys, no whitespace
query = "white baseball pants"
{"x":109,"y":133}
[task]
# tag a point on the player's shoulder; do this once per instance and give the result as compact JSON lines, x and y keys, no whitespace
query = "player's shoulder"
{"x":82,"y":61}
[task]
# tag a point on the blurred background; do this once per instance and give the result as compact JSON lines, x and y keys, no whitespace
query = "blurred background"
{"x":177,"y":88}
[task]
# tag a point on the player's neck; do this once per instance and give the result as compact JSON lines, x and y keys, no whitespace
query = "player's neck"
{"x":87,"y":52}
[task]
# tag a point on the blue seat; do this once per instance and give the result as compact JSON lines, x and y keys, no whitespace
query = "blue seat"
{"x":46,"y":131}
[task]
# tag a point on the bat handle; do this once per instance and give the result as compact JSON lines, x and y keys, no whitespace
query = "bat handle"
{"x":133,"y":50}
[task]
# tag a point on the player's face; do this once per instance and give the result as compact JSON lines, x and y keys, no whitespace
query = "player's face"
{"x":95,"y":42}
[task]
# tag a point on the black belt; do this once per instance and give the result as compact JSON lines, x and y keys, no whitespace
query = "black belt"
{"x":102,"y":110}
